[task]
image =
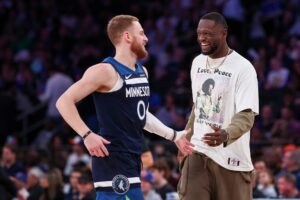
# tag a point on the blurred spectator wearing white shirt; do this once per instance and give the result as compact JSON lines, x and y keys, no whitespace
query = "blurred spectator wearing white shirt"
{"x":56,"y":84}
{"x":78,"y":155}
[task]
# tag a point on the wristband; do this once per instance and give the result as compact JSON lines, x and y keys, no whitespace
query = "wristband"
{"x":86,"y":134}
{"x":174,"y":135}
{"x":227,"y":135}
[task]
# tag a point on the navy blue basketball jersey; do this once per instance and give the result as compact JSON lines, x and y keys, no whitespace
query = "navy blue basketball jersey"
{"x":121,"y":114}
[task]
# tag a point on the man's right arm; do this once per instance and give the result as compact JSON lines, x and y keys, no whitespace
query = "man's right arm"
{"x":95,"y":78}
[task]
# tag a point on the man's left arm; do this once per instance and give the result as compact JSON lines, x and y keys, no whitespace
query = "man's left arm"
{"x":240,"y":124}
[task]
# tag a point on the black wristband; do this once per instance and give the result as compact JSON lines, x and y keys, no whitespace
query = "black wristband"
{"x":174,"y":135}
{"x":86,"y":134}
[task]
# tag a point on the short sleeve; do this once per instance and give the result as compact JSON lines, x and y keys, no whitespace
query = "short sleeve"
{"x":247,"y":90}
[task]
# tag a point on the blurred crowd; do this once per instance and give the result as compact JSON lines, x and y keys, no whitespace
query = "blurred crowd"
{"x":45,"y":46}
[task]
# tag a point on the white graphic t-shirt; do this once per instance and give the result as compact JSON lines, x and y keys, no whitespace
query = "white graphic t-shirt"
{"x":218,"y":94}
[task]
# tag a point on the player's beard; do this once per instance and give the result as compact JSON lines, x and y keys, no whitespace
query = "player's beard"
{"x":138,"y":49}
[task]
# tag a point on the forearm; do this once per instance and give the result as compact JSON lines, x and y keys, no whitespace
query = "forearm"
{"x":190,"y":123}
{"x":154,"y":125}
{"x":67,"y":108}
{"x":241,"y":123}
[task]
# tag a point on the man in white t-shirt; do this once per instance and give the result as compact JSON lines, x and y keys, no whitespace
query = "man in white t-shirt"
{"x":225,"y":96}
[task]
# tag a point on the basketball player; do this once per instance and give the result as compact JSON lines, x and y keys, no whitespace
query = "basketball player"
{"x":120,"y":90}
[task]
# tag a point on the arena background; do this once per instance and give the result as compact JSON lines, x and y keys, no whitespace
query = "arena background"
{"x":43,"y":41}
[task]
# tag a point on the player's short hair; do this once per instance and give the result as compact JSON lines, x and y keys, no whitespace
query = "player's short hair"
{"x":217,"y":18}
{"x":117,"y":25}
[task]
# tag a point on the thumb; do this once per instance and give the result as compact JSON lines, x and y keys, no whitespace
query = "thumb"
{"x":188,"y":131}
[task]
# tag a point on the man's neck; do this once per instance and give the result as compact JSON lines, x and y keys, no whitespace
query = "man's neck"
{"x":223,"y":51}
{"x":126,"y":57}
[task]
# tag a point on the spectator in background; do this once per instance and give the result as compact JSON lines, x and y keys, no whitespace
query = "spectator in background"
{"x":56,"y":84}
{"x":8,"y":188}
{"x":267,"y":120}
{"x":72,"y":191}
{"x":255,"y":192}
{"x":287,"y":128}
{"x":58,"y":152}
{"x":166,"y":113}
{"x":266,"y":184}
{"x":147,"y":188}
{"x":78,"y":155}
{"x":52,"y":185}
{"x":11,"y":166}
{"x":146,"y":157}
{"x":86,"y":187}
{"x":260,"y":166}
{"x":234,"y":12}
{"x":278,"y":76}
{"x":21,"y":184}
{"x":160,"y":172}
{"x":291,"y":164}
{"x":34,"y":176}
{"x":272,"y":156}
{"x":286,"y":184}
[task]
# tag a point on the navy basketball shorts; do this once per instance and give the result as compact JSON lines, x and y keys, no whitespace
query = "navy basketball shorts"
{"x":117,"y":176}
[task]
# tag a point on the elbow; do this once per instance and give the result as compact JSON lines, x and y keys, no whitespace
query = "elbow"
{"x":59,"y":103}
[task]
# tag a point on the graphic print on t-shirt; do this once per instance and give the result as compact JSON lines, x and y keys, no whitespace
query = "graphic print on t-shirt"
{"x":211,"y":99}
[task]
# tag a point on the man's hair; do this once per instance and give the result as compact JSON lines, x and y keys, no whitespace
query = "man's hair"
{"x":161,"y":165}
{"x":217,"y":18}
{"x":289,"y":177}
{"x":117,"y":25}
{"x":206,"y":84}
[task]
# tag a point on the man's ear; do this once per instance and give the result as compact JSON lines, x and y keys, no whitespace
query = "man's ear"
{"x":224,"y":33}
{"x":127,"y":36}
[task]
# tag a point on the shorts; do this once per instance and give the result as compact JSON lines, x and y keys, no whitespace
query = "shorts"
{"x":117,"y":176}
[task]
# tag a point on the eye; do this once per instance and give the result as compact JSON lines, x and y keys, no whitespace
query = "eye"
{"x":205,"y":34}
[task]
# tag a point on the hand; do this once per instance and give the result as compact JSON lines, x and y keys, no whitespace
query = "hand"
{"x":95,"y":144}
{"x":216,"y":138}
{"x":184,"y":146}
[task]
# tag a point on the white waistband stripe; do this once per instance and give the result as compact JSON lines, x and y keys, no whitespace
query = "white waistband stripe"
{"x":109,"y":183}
